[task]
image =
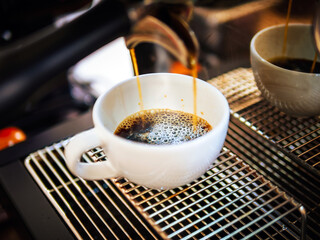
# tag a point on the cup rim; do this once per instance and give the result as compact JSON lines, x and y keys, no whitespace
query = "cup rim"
{"x":98,"y":123}
{"x":255,"y":52}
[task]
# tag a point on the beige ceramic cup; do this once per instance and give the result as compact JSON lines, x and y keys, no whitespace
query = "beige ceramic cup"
{"x":295,"y":93}
{"x":154,"y":166}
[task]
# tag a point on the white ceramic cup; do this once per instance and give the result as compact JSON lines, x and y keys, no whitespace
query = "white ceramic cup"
{"x":295,"y":93}
{"x":154,"y":166}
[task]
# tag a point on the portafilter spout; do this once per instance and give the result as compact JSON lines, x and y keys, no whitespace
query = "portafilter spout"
{"x":166,"y":24}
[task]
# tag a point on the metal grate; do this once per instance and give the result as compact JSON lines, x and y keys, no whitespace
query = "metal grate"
{"x":239,"y":87}
{"x":297,"y":137}
{"x":92,"y":209}
{"x":279,"y":169}
{"x":231,"y":201}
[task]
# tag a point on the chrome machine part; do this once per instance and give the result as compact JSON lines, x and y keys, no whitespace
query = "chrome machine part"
{"x":166,"y":24}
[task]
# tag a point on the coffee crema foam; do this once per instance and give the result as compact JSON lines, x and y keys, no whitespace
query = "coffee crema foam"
{"x":162,"y":126}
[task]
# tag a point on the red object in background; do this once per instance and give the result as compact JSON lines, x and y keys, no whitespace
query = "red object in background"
{"x":10,"y":136}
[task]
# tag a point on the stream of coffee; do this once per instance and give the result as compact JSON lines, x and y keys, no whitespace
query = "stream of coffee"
{"x":136,"y":73}
{"x":194,"y":73}
{"x":314,"y":63}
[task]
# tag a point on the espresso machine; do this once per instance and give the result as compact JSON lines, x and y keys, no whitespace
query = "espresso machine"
{"x":55,"y":49}
{"x":265,"y":184}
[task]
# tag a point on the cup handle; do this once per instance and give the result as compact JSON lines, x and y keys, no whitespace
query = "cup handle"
{"x":79,"y":144}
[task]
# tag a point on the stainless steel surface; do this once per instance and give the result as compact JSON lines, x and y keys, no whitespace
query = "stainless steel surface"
{"x":247,"y":194}
{"x":230,"y":201}
{"x":92,"y":210}
{"x":280,"y":170}
{"x":297,"y":137}
{"x":267,"y":156}
{"x":239,"y":87}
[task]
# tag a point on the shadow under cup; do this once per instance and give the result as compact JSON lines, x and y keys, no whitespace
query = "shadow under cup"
{"x":295,"y":93}
{"x":161,"y":166}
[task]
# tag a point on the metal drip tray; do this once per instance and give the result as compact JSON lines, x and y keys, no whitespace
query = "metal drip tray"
{"x":231,"y":201}
{"x":282,"y":148}
{"x":92,"y":209}
{"x":297,"y":137}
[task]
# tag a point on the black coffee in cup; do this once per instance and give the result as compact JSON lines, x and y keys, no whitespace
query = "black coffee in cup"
{"x":162,"y":126}
{"x":296,"y":64}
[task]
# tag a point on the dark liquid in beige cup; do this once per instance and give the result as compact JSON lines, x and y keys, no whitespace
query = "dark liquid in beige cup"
{"x":296,"y":64}
{"x":162,"y":126}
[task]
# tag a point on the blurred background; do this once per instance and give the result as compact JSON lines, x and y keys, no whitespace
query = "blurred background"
{"x":223,"y":28}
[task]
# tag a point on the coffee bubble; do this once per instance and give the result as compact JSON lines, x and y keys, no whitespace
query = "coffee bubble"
{"x":162,"y":126}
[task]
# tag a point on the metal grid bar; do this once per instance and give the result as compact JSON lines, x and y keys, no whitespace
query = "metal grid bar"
{"x":280,"y":169}
{"x":92,"y":209}
{"x":231,"y":201}
{"x":297,"y":137}
{"x":240,"y":93}
{"x":300,"y":137}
